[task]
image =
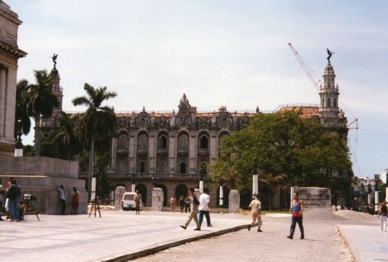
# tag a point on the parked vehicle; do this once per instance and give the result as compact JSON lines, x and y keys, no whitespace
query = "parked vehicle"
{"x":128,"y":201}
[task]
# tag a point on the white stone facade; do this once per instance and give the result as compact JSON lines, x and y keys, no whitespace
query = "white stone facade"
{"x":9,"y":55}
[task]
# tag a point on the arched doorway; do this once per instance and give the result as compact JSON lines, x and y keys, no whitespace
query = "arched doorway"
{"x":143,"y":192}
{"x":164,"y":188}
{"x":181,"y":190}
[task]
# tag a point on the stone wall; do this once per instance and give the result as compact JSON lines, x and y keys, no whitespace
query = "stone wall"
{"x":41,"y":176}
{"x":314,"y":196}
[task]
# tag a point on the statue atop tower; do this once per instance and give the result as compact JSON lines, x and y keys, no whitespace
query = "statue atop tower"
{"x":54,"y":58}
{"x":330,"y":54}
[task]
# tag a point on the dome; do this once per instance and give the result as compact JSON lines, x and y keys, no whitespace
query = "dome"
{"x":329,"y":70}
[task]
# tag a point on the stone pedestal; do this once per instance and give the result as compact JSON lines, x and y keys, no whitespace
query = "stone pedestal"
{"x":41,"y":176}
{"x":119,"y":192}
{"x":157,"y":199}
{"x":234,"y":201}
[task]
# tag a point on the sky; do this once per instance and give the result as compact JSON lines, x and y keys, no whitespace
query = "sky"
{"x":218,"y":53}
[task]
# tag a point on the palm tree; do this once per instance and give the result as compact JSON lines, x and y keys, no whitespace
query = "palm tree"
{"x":41,"y":102}
{"x":97,"y":123}
{"x":66,"y":141}
{"x":21,"y":113}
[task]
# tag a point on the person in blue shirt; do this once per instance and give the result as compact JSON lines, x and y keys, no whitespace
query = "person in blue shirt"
{"x":297,"y":216}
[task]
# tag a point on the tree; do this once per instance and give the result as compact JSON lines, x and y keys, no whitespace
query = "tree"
{"x":287,"y":147}
{"x":66,"y":141}
{"x":21,"y":112}
{"x":40,"y":102}
{"x":97,"y":124}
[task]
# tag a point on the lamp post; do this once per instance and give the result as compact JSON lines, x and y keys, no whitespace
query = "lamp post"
{"x":292,"y":190}
{"x":255,"y":178}
{"x":133,"y":182}
{"x":19,"y":144}
{"x":202,"y":172}
{"x":221,"y":199}
{"x":377,"y":179}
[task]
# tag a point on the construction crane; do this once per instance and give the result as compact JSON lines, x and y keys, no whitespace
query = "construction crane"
{"x":308,"y":71}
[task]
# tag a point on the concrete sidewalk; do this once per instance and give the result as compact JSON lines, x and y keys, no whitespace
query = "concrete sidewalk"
{"x":121,"y":236}
{"x":116,"y":236}
{"x":366,"y":242}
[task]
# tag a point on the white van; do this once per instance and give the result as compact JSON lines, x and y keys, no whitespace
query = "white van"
{"x":128,"y":201}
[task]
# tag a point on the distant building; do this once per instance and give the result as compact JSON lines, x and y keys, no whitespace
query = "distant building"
{"x":169,"y":150}
{"x":9,"y":55}
{"x":383,"y":176}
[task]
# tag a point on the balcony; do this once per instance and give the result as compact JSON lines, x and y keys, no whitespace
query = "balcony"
{"x":162,"y":151}
{"x":183,"y":152}
{"x":203,"y":151}
{"x":122,"y":152}
{"x":142,"y":151}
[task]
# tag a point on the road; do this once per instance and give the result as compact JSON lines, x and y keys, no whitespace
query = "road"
{"x":321,"y":243}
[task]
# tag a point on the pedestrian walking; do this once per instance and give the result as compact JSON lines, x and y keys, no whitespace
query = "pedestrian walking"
{"x":74,"y":201}
{"x":172,"y":203}
{"x":187,"y":204}
{"x":2,"y":200}
{"x":138,"y":202}
{"x":194,"y":203}
{"x":255,"y":206}
{"x":204,"y":201}
{"x":297,"y":216}
{"x":383,"y":215}
{"x":62,"y":198}
{"x":181,"y":203}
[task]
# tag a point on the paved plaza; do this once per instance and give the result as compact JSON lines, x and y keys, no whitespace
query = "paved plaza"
{"x":123,"y":236}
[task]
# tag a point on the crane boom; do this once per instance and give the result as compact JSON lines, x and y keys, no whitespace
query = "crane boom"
{"x":315,"y":82}
{"x":307,"y":70}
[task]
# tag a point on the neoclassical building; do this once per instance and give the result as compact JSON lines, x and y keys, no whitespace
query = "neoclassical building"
{"x":171,"y":149}
{"x":9,"y":56}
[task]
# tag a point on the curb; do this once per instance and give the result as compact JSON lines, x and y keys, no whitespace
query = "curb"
{"x":161,"y":247}
{"x":346,"y":242}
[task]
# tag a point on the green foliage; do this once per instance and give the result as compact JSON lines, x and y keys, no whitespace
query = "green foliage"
{"x":21,"y":113}
{"x":103,"y":185}
{"x":65,"y":139}
{"x":28,"y":150}
{"x":286,"y":149}
{"x":98,"y":122}
{"x":47,"y":148}
{"x":40,"y":101}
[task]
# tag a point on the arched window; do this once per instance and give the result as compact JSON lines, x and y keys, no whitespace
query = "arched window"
{"x":163,"y":142}
{"x":123,"y":141}
{"x":143,"y":142}
{"x":122,"y":166}
{"x":328,"y":102}
{"x":183,"y":142}
{"x":204,"y":142}
{"x":142,"y":167}
{"x":183,"y":168}
{"x":162,"y":167}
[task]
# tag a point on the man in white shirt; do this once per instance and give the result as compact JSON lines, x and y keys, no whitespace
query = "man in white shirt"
{"x":204,"y":200}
